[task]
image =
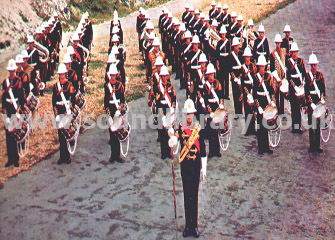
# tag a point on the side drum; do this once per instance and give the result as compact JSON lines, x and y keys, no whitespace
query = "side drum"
{"x":80,"y":100}
{"x":32,"y":103}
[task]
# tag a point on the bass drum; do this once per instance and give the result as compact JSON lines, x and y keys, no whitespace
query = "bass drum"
{"x":221,"y":121}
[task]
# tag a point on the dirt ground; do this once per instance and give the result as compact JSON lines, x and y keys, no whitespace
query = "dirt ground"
{"x":289,"y":195}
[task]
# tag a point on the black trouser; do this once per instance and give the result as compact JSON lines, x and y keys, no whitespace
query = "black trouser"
{"x":213,"y":137}
{"x":64,"y":151}
{"x":190,"y":174}
{"x":280,"y":101}
{"x":164,"y":138}
{"x":236,"y":96}
{"x":115,"y":146}
{"x":314,"y":130}
{"x":248,"y":111}
{"x":12,"y":151}
{"x":177,"y":62}
{"x":262,"y":135}
{"x":223,"y":77}
{"x":295,"y":112}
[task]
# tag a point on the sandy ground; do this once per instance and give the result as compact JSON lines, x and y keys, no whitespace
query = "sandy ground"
{"x":289,"y":195}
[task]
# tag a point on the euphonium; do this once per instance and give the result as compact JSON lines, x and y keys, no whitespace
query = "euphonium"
{"x":42,"y":51}
{"x":214,"y":38}
{"x":86,"y":52}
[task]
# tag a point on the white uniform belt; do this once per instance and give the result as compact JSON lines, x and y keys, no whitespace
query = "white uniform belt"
{"x":313,"y":92}
{"x":212,"y":100}
{"x":247,"y":81}
{"x":10,"y":100}
{"x":61,"y":103}
{"x":224,"y":54}
{"x":236,"y":67}
{"x":195,"y":67}
{"x":261,"y":53}
{"x":113,"y":102}
{"x":163,"y":101}
{"x":295,"y":75}
{"x":226,"y":25}
{"x":261,"y":93}
{"x":200,"y":86}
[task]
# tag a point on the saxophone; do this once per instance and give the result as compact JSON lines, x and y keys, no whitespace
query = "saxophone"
{"x":187,"y":147}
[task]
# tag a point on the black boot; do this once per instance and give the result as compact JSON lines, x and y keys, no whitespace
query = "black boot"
{"x":186,"y":232}
{"x":195,"y":232}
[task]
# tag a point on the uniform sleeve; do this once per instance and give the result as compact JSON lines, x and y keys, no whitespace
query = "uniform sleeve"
{"x":322,"y":85}
{"x":122,"y":98}
{"x":54,"y":93}
{"x":266,"y":48}
{"x":202,"y":143}
{"x":303,"y":69}
{"x":3,"y":97}
{"x":106,"y":99}
{"x":272,"y":63}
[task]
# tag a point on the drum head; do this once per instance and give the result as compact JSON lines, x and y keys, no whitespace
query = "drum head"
{"x":319,"y":110}
{"x":270,"y":113}
{"x":284,"y":87}
{"x":219,"y":115}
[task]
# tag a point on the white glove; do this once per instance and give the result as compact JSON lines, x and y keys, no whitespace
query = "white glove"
{"x":68,"y":112}
{"x":296,"y":88}
{"x":117,"y":113}
{"x":204,"y":167}
{"x":221,"y":106}
{"x":211,"y":115}
{"x":313,"y":106}
{"x":173,"y":141}
{"x":238,"y":81}
{"x":172,"y":110}
{"x":171,"y":132}
{"x":7,"y":121}
{"x":250,"y":98}
{"x":57,"y":118}
{"x":260,"y":110}
{"x":323,"y":101}
{"x":110,"y":121}
{"x":201,"y":101}
{"x":273,"y":104}
{"x":18,"y":115}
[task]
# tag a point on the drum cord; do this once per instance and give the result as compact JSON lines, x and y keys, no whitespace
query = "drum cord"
{"x":225,"y":135}
{"x":328,"y":129}
{"x":128,"y":138}
{"x":23,"y":152}
{"x":277,"y":135}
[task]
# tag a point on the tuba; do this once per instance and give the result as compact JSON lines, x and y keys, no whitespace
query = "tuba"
{"x":214,"y":38}
{"x":42,"y":51}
